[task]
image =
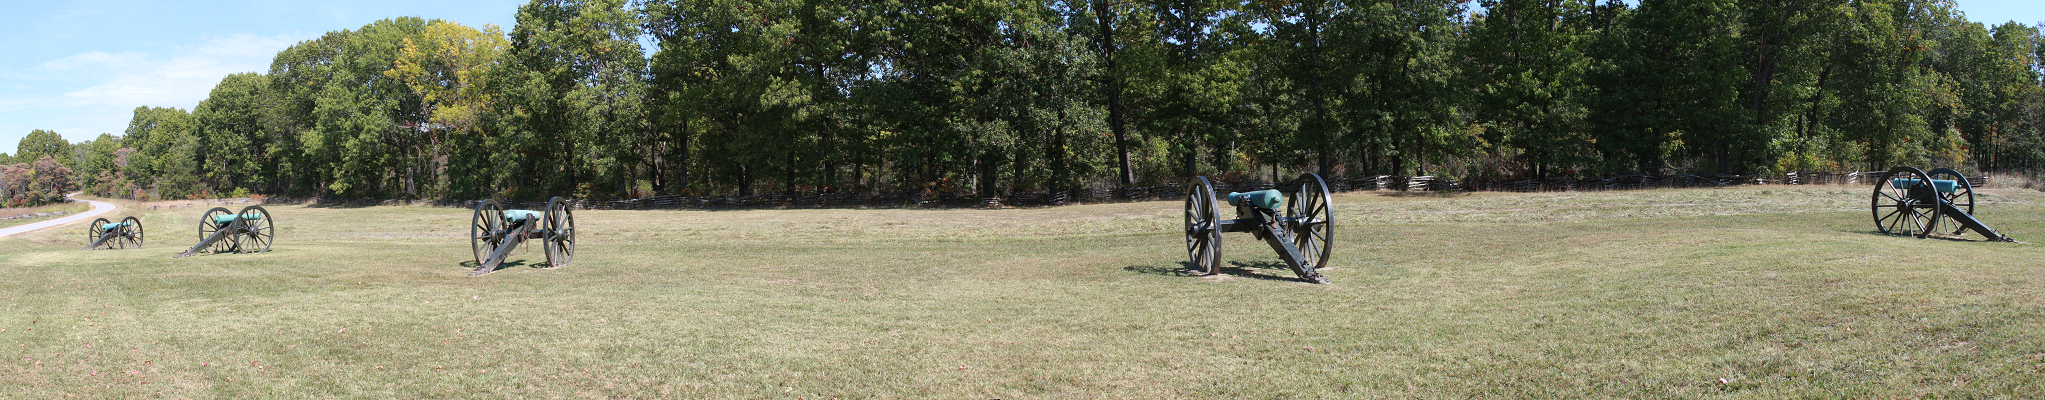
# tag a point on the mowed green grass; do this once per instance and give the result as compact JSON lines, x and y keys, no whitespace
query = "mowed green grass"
{"x":1750,"y":292}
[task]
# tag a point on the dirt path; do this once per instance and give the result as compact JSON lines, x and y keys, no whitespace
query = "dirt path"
{"x":97,"y":209}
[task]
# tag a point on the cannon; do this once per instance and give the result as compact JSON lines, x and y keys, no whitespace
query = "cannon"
{"x":494,"y":232}
{"x":221,"y":231}
{"x":104,"y":234}
{"x":1300,"y":236}
{"x":1908,"y":201}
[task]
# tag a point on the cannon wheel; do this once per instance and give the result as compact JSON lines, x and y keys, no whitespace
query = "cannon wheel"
{"x":1896,"y":211}
{"x":133,"y":235}
{"x":1311,"y":211}
{"x":1203,"y":233}
{"x":560,"y":241}
{"x":1961,"y":198}
{"x":207,"y":228}
{"x":255,"y":235}
{"x":486,"y":228}
{"x":92,"y":233}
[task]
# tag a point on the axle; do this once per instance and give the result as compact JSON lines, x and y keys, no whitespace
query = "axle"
{"x":508,"y":240}
{"x":103,"y":238}
{"x":218,"y":235}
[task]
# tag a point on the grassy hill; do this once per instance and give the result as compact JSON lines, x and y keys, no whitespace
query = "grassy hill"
{"x":1749,"y":292}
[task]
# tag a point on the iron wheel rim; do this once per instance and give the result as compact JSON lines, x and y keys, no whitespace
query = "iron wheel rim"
{"x":94,"y":232}
{"x":1896,"y":211}
{"x":133,"y":231}
{"x":1203,"y":241}
{"x":560,"y":240}
{"x":256,"y":234}
{"x":207,"y":227}
{"x":1962,"y":197}
{"x":484,"y":226}
{"x":1311,"y":210}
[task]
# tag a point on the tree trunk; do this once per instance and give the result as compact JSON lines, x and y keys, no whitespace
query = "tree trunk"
{"x":1104,"y":13}
{"x":745,"y":180}
{"x":681,"y":162}
{"x":1321,"y":125}
{"x":1810,"y":118}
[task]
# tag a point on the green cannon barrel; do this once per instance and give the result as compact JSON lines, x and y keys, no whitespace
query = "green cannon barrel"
{"x":112,"y":226}
{"x":1943,"y":185}
{"x":228,"y":218}
{"x":521,"y":215}
{"x":1265,"y":199}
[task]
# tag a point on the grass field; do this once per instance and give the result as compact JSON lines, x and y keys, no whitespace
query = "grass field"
{"x":67,"y":208}
{"x":1749,"y":292}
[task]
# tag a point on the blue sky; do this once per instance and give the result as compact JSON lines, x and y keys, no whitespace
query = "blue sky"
{"x":81,"y":67}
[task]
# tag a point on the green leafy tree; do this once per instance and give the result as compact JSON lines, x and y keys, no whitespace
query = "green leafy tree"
{"x":232,"y":146}
{"x":41,"y":143}
{"x":98,"y":170}
{"x":164,"y":141}
{"x":448,"y":66}
{"x":1672,"y":78}
{"x":1783,"y":46}
{"x":1302,"y":28}
{"x":366,"y":127}
{"x":1882,"y":87}
{"x":1528,"y":65}
{"x":575,"y":79}
{"x":1113,"y":27}
{"x":296,"y":76}
{"x":1997,"y":86}
{"x":1401,"y":103}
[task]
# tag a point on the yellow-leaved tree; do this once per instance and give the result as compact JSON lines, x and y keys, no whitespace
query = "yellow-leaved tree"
{"x":448,"y":65}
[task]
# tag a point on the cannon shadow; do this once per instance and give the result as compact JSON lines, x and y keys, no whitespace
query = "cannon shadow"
{"x":1184,"y":269}
{"x":1233,"y":268}
{"x":507,"y":264}
{"x":1935,"y":235}
{"x":1250,"y":270}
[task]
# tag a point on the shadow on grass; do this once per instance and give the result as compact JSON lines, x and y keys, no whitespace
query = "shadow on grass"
{"x":1184,"y":269}
{"x":1935,"y":235}
{"x":1251,"y":270}
{"x":1236,"y":269}
{"x":507,"y":264}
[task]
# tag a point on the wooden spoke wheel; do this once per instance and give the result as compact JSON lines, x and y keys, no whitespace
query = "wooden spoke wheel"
{"x":1962,"y":197}
{"x":1309,"y":212}
{"x":1905,"y":202}
{"x":131,"y":232}
{"x":1203,"y":227}
{"x":560,"y":240}
{"x":486,"y":229}
{"x":255,"y":230}
{"x":94,"y":232}
{"x":210,"y":224}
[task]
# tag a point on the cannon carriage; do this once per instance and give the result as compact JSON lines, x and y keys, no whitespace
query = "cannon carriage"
{"x":494,"y":232}
{"x":105,"y":234}
{"x":1911,"y":202}
{"x":1297,"y":223}
{"x":221,"y":231}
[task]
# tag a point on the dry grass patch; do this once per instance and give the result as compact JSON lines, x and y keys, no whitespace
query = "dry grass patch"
{"x":1753,"y":292}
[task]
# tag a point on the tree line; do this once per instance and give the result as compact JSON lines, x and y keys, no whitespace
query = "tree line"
{"x":614,"y":99}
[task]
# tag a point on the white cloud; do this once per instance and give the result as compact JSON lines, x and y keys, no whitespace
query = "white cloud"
{"x":96,"y":59}
{"x":180,"y":80}
{"x":85,"y":94}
